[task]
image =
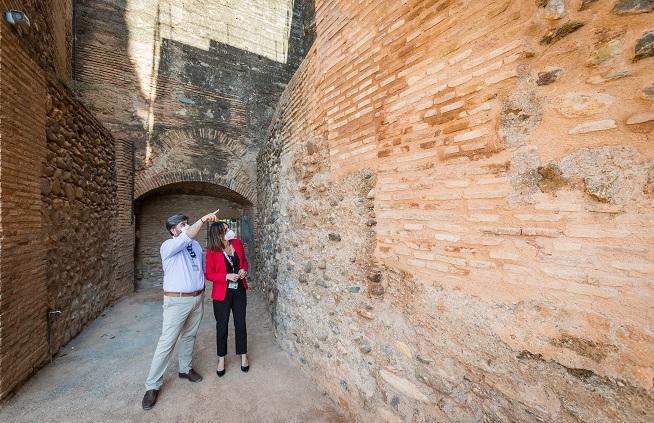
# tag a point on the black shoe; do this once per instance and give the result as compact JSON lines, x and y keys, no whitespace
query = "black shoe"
{"x":220,"y":373}
{"x":150,"y":399}
{"x":244,"y":369}
{"x":192,"y":375}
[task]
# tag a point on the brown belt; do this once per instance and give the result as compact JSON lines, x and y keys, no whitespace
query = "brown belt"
{"x":184,"y":294}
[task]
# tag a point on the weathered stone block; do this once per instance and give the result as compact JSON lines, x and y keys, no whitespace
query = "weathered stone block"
{"x":577,"y":104}
{"x":586,"y":4}
{"x":648,"y":92}
{"x":640,"y":118}
{"x":551,"y":179}
{"x":593,"y":126}
{"x":555,"y":9}
{"x":403,"y":386}
{"x":555,"y":34}
{"x":644,"y":46}
{"x":625,"y":7}
{"x":605,"y":53}
{"x":548,"y":77}
{"x":608,"y":76}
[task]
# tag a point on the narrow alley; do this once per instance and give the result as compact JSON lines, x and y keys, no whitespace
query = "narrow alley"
{"x":98,"y":376}
{"x":444,"y":209}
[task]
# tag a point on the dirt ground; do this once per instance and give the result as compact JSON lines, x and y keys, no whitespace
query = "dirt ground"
{"x":99,"y":375}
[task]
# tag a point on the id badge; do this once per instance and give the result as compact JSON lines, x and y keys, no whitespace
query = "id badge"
{"x":196,"y":267}
{"x":232,"y":285}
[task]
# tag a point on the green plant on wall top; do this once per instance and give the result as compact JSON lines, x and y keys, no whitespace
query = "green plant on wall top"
{"x":79,"y":89}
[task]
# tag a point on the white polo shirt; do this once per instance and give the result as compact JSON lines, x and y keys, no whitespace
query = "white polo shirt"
{"x":182,"y":273}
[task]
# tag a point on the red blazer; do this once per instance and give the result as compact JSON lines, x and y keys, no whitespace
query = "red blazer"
{"x":216,"y":271}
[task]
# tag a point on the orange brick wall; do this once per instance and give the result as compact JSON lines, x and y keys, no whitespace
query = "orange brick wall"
{"x":509,"y":220}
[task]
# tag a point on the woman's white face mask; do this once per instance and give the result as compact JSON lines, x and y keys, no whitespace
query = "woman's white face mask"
{"x":230,"y":235}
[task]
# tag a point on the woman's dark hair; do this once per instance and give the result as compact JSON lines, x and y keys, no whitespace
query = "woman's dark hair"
{"x":216,"y":238}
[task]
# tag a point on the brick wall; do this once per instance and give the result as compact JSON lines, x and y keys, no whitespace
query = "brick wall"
{"x":191,"y":85}
{"x":49,"y":38}
{"x":455,"y":203}
{"x":62,"y":233}
{"x":125,"y":224}
{"x":23,"y":298}
{"x":152,"y":213}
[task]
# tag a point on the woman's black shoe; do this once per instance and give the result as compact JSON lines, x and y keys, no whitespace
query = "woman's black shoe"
{"x":245,"y":368}
{"x":220,"y":373}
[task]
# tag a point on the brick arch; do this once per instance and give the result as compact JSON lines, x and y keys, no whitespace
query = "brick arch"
{"x":238,"y":182}
{"x":175,"y":138}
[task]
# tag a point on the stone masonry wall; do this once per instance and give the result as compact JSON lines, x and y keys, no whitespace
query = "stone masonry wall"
{"x":151,"y":231}
{"x":80,"y":216}
{"x":60,"y":189}
{"x":455,"y":210}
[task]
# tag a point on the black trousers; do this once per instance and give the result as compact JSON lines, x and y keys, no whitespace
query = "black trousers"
{"x":236,"y":301}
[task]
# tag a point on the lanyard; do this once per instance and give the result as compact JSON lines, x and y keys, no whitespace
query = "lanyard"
{"x":231,"y":263}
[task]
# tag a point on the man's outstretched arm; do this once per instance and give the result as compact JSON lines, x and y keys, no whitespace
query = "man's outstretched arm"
{"x":177,"y":244}
{"x":194,"y":230}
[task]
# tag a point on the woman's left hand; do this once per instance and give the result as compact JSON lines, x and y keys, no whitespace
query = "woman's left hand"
{"x":241,"y":273}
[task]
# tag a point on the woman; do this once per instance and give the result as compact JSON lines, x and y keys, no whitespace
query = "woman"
{"x":227,"y":267}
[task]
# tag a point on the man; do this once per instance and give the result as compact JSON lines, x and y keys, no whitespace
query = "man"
{"x":183,"y":304}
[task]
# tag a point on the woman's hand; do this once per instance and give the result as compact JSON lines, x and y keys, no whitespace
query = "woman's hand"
{"x":233,"y":277}
{"x":241,"y":274}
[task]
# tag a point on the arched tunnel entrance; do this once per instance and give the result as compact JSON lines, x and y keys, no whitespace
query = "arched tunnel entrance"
{"x":194,"y":199}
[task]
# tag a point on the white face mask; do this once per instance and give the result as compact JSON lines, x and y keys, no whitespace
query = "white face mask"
{"x":184,"y":228}
{"x":230,"y":235}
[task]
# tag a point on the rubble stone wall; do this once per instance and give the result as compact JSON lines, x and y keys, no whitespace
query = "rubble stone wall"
{"x":80,"y":210}
{"x":60,"y":190}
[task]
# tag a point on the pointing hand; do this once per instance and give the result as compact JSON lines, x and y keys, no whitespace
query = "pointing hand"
{"x":211,"y":217}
